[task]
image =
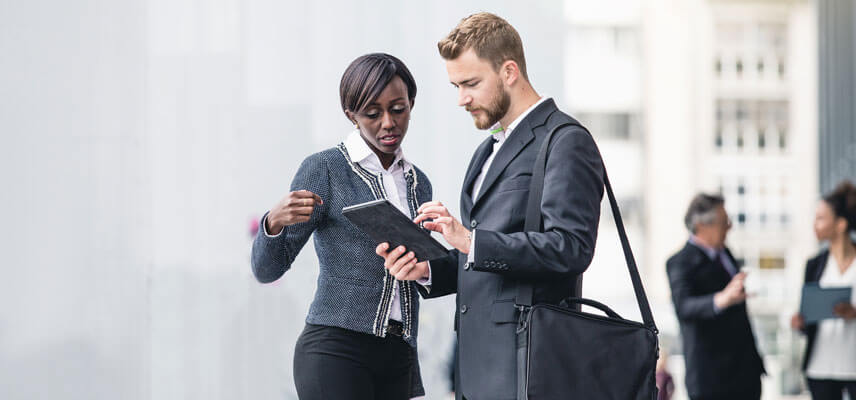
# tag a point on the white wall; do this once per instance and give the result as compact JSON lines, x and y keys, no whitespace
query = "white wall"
{"x":140,"y":138}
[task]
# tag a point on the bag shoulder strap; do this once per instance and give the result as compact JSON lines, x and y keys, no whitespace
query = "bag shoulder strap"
{"x":534,"y":219}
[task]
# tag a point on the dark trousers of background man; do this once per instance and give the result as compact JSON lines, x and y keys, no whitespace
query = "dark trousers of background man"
{"x":823,"y":389}
{"x":747,"y":393}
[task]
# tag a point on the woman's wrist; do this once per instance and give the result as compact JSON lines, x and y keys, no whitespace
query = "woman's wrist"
{"x":272,"y":229}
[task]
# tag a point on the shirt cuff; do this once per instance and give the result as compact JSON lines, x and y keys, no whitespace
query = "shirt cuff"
{"x":471,"y":256}
{"x":426,"y":282}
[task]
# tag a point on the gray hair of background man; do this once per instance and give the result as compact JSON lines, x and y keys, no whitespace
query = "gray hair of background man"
{"x":702,"y":210}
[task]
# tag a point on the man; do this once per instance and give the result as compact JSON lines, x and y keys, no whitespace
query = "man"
{"x":492,"y":254}
{"x":722,"y":361}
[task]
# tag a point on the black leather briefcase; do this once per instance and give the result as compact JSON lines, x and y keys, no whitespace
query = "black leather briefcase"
{"x":565,"y":353}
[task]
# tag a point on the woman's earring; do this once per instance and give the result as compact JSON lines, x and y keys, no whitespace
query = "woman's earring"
{"x":356,"y":125}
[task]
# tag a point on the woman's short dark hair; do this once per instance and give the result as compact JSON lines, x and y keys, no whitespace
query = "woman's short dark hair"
{"x":842,"y":200}
{"x":702,"y":210}
{"x":368,"y":75}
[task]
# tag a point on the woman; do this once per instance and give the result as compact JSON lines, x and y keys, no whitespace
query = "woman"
{"x":830,"y":357}
{"x":360,"y":336}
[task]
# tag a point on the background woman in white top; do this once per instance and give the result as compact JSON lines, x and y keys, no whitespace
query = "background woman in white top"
{"x":830,"y":356}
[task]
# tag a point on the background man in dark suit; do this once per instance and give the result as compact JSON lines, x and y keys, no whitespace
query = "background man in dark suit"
{"x":722,"y":361}
{"x":492,"y":254}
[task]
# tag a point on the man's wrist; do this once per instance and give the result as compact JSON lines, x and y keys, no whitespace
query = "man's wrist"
{"x":469,"y":243}
{"x":719,"y":301}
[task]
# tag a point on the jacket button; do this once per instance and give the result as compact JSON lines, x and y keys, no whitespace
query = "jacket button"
{"x":463,"y":308}
{"x":467,"y":266}
{"x":474,"y":224}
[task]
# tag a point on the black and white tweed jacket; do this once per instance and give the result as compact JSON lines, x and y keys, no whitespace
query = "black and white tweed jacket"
{"x":354,"y":289}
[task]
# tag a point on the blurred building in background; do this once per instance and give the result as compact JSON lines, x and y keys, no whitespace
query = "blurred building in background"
{"x":705,"y":95}
{"x":837,"y":102}
{"x":140,"y":137}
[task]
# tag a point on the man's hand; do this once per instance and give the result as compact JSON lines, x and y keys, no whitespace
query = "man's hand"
{"x":294,"y":208}
{"x":400,"y":265}
{"x":845,"y":310}
{"x":442,"y":221}
{"x":734,"y":292}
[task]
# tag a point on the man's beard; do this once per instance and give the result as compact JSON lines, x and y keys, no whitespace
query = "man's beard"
{"x":495,"y":110}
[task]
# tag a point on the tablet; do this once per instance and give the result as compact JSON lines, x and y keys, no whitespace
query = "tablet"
{"x":383,"y":222}
{"x":817,"y":302}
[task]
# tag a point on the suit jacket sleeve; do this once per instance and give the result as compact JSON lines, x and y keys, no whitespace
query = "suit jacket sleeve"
{"x":570,"y":206}
{"x":273,"y":255}
{"x":444,"y":276}
{"x":688,"y":305}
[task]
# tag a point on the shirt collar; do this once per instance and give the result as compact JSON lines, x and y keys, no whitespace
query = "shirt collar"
{"x":709,"y":251}
{"x":500,"y":134}
{"x":362,"y":154}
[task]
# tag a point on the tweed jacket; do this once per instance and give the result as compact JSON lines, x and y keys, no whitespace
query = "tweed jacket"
{"x":354,"y":290}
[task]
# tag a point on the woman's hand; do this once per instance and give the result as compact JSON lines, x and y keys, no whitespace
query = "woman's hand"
{"x":442,"y":221}
{"x":400,"y":265}
{"x":797,"y":322}
{"x":295,"y":207}
{"x":845,"y":310}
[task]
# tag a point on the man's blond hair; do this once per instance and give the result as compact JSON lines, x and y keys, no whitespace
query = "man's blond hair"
{"x":491,"y":38}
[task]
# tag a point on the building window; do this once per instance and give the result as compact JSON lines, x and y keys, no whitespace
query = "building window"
{"x":762,"y":139}
{"x":718,"y":139}
{"x":771,"y":261}
{"x":741,"y":218}
{"x":623,"y":126}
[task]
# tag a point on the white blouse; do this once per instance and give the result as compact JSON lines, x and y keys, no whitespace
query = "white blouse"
{"x":834,"y":354}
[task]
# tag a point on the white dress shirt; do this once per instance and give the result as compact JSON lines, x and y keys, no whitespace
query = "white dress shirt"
{"x":834,"y":353}
{"x":393,"y":184}
{"x":500,"y":135}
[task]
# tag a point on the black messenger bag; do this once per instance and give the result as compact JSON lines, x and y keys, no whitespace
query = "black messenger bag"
{"x":565,"y":353}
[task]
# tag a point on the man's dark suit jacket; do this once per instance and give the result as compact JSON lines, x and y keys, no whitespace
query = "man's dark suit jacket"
{"x":505,"y":255}
{"x":719,"y":347}
{"x":813,"y":271}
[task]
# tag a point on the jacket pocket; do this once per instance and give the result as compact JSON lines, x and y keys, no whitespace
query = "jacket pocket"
{"x":517,"y":183}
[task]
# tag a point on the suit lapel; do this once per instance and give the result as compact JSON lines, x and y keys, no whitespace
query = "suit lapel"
{"x":701,"y":260}
{"x":479,"y":158}
{"x":821,"y":265}
{"x":733,"y":263}
{"x":520,"y":137}
{"x":720,"y":266}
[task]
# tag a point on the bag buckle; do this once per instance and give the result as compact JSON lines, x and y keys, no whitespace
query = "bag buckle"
{"x":522,"y":320}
